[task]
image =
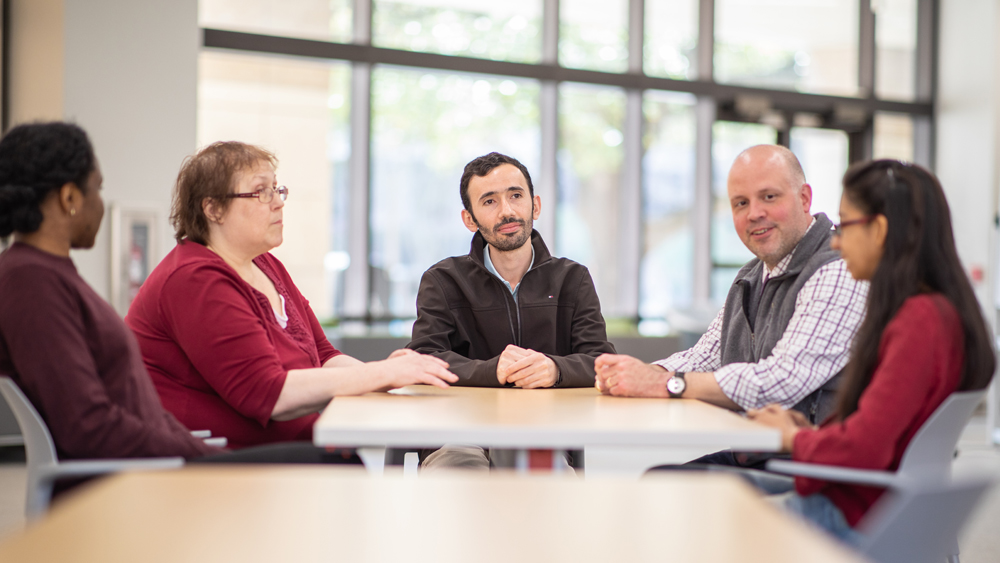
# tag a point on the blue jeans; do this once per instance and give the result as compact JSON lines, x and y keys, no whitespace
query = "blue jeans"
{"x":820,"y":511}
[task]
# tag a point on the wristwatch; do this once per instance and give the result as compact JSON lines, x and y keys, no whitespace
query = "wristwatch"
{"x":676,"y":385}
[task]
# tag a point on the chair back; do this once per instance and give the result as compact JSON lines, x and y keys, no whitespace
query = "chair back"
{"x":38,"y":444}
{"x":932,"y":449}
{"x":919,"y":523}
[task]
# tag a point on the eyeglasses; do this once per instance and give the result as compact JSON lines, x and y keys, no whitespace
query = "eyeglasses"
{"x":265,"y":195}
{"x":838,"y":229}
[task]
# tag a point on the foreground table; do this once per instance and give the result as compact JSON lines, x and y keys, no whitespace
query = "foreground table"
{"x":620,"y":436}
{"x":309,"y":514}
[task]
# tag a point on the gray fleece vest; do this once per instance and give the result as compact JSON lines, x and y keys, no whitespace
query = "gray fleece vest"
{"x":755,"y":317}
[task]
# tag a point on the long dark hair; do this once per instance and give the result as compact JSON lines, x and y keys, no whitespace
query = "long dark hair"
{"x":36,"y":159}
{"x":919,"y":257}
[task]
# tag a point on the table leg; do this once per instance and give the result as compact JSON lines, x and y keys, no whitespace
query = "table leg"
{"x":559,"y":461}
{"x":521,"y":463}
{"x":411,"y":464}
{"x":374,"y":459}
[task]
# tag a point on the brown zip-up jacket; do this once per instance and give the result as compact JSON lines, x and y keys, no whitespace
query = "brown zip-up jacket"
{"x":466,"y":316}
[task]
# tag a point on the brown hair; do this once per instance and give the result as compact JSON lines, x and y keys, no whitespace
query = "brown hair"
{"x":210,"y":173}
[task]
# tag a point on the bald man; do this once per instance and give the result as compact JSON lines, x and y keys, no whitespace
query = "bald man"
{"x":784,"y":334}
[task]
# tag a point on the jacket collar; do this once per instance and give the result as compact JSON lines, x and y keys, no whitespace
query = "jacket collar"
{"x":541,"y":251}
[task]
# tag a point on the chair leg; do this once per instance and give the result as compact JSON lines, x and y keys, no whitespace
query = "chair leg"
{"x":39,"y":494}
{"x":411,"y":463}
{"x":953,"y":552}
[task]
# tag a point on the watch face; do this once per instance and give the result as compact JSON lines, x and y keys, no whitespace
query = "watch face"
{"x":676,"y":385}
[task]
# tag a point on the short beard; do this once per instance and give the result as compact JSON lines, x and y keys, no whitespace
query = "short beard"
{"x":504,"y":243}
{"x":788,"y":245}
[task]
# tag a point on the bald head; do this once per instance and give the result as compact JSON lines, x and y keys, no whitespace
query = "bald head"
{"x":772,"y":155}
{"x":770,"y":200}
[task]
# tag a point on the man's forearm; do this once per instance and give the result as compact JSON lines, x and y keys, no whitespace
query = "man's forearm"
{"x":704,"y":387}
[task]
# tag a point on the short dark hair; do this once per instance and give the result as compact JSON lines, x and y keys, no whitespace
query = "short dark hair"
{"x":210,"y":173}
{"x":35,"y":159}
{"x":482,"y":166}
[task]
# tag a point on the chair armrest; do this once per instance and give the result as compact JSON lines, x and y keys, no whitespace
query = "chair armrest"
{"x":87,"y":467}
{"x":219,"y":442}
{"x":834,"y":473}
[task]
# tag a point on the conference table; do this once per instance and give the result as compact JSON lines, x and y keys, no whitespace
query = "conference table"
{"x":312,"y":514}
{"x":619,"y":436}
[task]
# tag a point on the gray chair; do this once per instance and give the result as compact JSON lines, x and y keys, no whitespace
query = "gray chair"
{"x":10,"y":432}
{"x":926,"y":463}
{"x":918,"y":523}
{"x":44,"y":467}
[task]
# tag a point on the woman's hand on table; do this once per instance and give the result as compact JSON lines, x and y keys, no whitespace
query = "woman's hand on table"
{"x":406,"y":367}
{"x":788,"y":421}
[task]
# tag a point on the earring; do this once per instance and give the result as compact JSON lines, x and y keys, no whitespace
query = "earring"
{"x":72,"y":212}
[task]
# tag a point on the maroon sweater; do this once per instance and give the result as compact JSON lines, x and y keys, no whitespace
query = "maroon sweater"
{"x":920,"y":363}
{"x":79,"y":365}
{"x":215,"y":351}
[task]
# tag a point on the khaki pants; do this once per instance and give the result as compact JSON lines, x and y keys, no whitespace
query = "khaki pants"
{"x":457,"y":456}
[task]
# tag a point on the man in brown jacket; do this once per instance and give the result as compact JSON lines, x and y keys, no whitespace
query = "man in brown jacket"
{"x":509,"y":313}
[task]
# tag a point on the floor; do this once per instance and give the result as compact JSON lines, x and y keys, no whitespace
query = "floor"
{"x":979,"y":543}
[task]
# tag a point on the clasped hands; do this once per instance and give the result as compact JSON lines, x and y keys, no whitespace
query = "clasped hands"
{"x":526,"y":368}
{"x":788,"y":421}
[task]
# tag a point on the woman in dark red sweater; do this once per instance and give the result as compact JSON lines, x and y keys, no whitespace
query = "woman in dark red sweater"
{"x":923,"y":338}
{"x":63,"y":345}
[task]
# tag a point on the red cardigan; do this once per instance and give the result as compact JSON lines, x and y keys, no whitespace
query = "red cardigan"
{"x":215,"y":351}
{"x":920,"y":360}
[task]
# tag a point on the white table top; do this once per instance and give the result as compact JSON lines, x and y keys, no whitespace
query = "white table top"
{"x":306,"y":514}
{"x":424,"y":416}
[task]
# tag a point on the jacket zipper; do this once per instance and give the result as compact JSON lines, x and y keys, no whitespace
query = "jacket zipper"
{"x":515,"y":336}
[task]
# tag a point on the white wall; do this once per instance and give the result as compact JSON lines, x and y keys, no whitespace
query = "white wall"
{"x":967,"y":127}
{"x":127,"y":73}
{"x":967,"y":151}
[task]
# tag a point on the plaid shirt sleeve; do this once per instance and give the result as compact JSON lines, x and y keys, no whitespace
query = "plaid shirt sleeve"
{"x":706,"y":355}
{"x":815,"y":346}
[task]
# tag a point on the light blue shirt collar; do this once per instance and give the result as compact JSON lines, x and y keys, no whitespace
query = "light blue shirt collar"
{"x":491,"y":269}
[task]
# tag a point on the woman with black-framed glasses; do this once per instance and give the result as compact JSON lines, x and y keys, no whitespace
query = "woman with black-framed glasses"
{"x":229,"y":341}
{"x":923,"y":338}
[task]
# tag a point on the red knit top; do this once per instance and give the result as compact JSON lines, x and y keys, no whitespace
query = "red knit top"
{"x":919,"y":364}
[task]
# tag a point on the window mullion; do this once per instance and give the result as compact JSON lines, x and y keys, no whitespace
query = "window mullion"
{"x":357,"y":281}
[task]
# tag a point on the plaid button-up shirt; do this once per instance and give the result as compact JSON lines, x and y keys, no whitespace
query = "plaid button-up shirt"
{"x":814,"y":347}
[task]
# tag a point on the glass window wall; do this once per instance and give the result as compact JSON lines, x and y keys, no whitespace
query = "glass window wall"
{"x":823,"y":154}
{"x":593,"y":34}
{"x":591,"y":123}
{"x":893,"y":136}
{"x":508,"y":31}
{"x":803,"y":46}
{"x":326,"y":20}
{"x":300,"y":111}
{"x":671,"y":38}
{"x":636,"y":230}
{"x":666,"y":272}
{"x":425,"y":127}
{"x":895,"y":49}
